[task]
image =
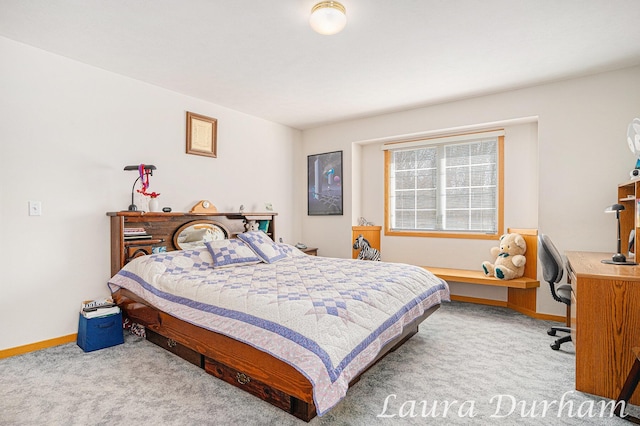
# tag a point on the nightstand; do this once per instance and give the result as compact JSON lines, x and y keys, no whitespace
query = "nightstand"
{"x":311,"y":251}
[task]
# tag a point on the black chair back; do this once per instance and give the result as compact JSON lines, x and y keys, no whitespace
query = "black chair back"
{"x":552,"y":264}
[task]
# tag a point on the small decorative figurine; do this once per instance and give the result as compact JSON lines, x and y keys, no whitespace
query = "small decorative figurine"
{"x":366,"y":251}
{"x":364,"y":222}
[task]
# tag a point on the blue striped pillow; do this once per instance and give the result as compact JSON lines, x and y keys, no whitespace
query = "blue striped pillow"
{"x":231,"y":253}
{"x":264,"y":246}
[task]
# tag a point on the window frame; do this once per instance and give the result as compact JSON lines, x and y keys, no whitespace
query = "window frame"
{"x":446,"y":234}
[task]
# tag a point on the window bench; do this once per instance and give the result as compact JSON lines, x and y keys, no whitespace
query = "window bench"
{"x":521,"y":291}
{"x":478,"y":277}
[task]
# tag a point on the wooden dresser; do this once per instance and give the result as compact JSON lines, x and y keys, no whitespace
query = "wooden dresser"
{"x":605,"y":319}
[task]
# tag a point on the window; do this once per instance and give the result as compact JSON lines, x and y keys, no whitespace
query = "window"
{"x":446,"y":186}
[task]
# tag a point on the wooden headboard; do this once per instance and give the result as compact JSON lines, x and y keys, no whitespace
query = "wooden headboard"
{"x":161,"y":228}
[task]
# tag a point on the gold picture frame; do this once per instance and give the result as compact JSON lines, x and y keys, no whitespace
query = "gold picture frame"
{"x":202,"y":135}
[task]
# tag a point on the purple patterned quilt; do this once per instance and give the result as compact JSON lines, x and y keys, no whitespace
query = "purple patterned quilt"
{"x":327,"y":317}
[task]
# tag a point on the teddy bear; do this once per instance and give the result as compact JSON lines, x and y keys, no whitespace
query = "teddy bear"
{"x":509,"y":260}
{"x":251,"y":225}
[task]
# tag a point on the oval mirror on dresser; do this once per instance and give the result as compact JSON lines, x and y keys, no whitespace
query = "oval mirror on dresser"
{"x":194,"y":234}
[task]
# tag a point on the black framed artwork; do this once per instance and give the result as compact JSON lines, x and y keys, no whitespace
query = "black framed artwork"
{"x":324,"y":178}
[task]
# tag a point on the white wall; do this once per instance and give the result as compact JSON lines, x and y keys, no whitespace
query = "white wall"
{"x":580,"y":145}
{"x":67,"y":130}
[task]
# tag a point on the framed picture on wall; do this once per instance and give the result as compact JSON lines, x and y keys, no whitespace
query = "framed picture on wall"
{"x":202,"y":135}
{"x":324,"y":178}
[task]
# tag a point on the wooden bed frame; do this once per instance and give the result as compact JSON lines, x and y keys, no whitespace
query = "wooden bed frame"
{"x":237,"y":363}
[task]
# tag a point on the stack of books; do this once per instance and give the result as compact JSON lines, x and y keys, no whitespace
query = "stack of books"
{"x":99,"y":308}
{"x":136,"y":234}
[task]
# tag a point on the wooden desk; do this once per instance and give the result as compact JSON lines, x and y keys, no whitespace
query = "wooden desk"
{"x":605,"y":321}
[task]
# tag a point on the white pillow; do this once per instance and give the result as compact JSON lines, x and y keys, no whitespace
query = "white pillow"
{"x":231,"y":253}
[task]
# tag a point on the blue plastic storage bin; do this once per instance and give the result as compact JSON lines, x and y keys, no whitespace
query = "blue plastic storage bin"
{"x":101,"y":332}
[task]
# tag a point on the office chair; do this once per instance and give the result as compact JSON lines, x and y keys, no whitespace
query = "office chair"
{"x":629,"y":387}
{"x":552,"y":270}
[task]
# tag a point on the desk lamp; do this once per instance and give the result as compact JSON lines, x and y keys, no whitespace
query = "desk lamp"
{"x":618,"y":258}
{"x":144,"y":171}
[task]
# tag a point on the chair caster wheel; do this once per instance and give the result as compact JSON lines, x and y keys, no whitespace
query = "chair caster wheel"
{"x":551,"y":332}
{"x":555,"y":346}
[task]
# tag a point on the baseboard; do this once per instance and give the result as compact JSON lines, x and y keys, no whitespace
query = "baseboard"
{"x":479,"y":301}
{"x":523,"y":311}
{"x":504,"y":304}
{"x":549,"y":317}
{"x":6,"y":353}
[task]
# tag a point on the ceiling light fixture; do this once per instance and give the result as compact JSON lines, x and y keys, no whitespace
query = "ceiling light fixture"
{"x":328,"y":17}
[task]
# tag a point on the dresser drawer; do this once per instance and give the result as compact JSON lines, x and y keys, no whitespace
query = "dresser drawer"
{"x":248,"y":384}
{"x":174,"y":347}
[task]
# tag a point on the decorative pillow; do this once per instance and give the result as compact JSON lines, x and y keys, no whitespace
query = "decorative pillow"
{"x":264,"y":246}
{"x":290,"y":250}
{"x":231,"y":253}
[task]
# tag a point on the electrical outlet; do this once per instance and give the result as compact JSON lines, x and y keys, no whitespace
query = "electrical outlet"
{"x":35,"y":208}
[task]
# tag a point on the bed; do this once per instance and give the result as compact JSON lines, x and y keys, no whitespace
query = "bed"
{"x":292,"y":329}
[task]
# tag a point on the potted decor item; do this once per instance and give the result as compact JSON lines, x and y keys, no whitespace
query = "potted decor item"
{"x":153,"y":202}
{"x":153,"y":196}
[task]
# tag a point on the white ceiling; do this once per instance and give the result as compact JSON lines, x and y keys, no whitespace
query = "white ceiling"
{"x":261,"y":57}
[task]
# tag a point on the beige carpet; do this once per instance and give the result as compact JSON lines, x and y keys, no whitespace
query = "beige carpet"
{"x":489,"y":365}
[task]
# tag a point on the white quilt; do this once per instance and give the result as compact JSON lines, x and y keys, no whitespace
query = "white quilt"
{"x":326,"y":317}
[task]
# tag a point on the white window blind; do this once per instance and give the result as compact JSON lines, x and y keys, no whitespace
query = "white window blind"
{"x":445,"y":184}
